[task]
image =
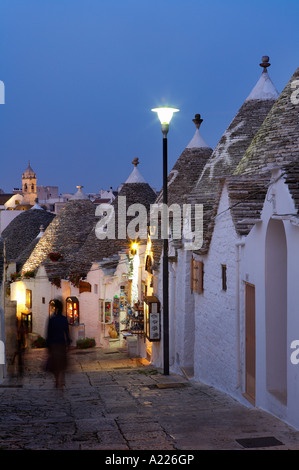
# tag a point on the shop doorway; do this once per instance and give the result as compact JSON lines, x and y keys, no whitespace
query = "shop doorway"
{"x":276,"y":310}
{"x":250,"y":342}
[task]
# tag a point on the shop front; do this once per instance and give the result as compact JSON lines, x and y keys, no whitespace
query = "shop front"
{"x":114,"y":314}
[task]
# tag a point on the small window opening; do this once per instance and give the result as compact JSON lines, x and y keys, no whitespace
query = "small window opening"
{"x":224,"y":277}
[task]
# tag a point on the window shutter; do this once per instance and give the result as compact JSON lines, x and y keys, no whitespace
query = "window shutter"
{"x":196,"y":276}
{"x":84,"y":287}
{"x":224,"y":277}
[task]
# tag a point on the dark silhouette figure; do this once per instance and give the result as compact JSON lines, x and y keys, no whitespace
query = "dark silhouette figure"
{"x":21,"y":340}
{"x":58,"y":341}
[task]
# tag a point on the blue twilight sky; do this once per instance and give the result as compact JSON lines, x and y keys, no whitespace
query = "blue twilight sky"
{"x":81,"y":77}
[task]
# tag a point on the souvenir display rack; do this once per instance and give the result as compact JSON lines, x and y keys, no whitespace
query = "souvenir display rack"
{"x":137,"y":319}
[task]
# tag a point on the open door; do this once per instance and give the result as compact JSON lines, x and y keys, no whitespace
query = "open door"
{"x":250,"y":343}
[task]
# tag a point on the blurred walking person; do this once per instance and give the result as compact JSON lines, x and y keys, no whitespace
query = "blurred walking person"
{"x":58,"y":341}
{"x":21,"y":343}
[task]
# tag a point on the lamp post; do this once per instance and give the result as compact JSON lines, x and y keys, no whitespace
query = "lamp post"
{"x":165,"y":114}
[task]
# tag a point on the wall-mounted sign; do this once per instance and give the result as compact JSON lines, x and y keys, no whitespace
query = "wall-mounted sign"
{"x":152,"y":318}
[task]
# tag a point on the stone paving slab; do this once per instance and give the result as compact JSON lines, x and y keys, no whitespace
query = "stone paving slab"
{"x":115,"y":403}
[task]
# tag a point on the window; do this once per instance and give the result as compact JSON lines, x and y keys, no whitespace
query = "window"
{"x":28,"y":301}
{"x":26,"y":321}
{"x":72,"y":310}
{"x":197,"y":274}
{"x":224,"y":277}
{"x":95,"y":288}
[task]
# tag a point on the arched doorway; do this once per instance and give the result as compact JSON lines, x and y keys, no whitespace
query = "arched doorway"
{"x":276,"y":310}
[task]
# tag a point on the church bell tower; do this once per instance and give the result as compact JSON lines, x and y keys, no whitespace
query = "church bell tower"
{"x":29,"y":186}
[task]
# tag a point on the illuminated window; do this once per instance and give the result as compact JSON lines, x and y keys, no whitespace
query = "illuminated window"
{"x":26,"y":321}
{"x":28,"y":301}
{"x":72,"y":310}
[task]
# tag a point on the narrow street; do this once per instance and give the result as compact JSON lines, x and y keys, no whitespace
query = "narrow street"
{"x":113,"y":402}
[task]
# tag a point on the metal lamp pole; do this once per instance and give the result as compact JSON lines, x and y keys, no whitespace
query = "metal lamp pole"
{"x":165,"y":115}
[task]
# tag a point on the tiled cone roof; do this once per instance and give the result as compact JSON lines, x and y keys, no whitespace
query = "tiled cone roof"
{"x":183,"y":176}
{"x":291,"y":177}
{"x":276,"y":144}
{"x":24,"y":255}
{"x":187,"y":168}
{"x":229,"y":151}
{"x":277,"y":140}
{"x":94,"y":249}
{"x":247,"y":196}
{"x":22,"y":231}
{"x":65,"y":235}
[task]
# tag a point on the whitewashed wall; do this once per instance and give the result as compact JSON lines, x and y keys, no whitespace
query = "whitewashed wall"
{"x":216,"y":338}
{"x":41,"y":289}
{"x":253,"y":270}
{"x":203,"y":327}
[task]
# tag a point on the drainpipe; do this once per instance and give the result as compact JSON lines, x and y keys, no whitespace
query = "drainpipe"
{"x":102,"y":334}
{"x":239,"y":244}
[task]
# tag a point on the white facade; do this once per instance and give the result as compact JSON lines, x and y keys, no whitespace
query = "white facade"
{"x":203,"y":336}
{"x":105,"y":284}
{"x":215,"y":310}
{"x":42,"y":292}
{"x":208,"y":331}
{"x":270,"y":262}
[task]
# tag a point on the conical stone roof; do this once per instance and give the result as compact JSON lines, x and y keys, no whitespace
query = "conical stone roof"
{"x":228,"y":153}
{"x":277,"y":141}
{"x":21,"y":232}
{"x":275,"y":145}
{"x":187,"y":168}
{"x":65,"y":236}
{"x":95,"y":249}
{"x":181,"y":180}
{"x":23,"y":229}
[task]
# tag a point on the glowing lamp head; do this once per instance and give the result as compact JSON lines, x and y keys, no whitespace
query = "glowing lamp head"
{"x":134,"y":248}
{"x":165,"y":114}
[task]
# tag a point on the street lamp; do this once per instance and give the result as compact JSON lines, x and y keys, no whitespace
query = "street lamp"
{"x":165,"y":114}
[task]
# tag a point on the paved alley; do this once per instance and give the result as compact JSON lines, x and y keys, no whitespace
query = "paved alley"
{"x":112,"y":402}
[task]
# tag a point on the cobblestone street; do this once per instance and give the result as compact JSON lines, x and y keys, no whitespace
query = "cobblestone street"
{"x":112,"y":402}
